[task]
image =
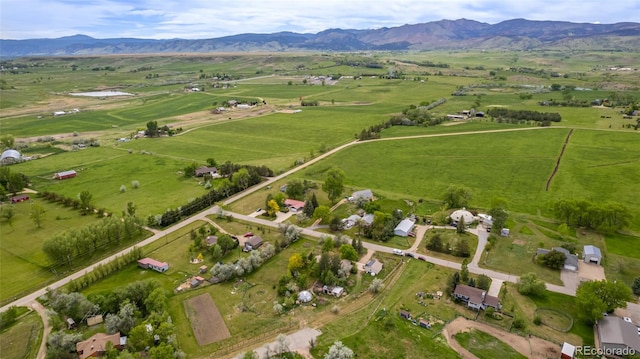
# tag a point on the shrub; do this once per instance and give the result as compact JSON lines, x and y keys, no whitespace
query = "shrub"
{"x":135,"y":184}
{"x":519,"y":323}
{"x":537,"y":320}
{"x":123,"y":189}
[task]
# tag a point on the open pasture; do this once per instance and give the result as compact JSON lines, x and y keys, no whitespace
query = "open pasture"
{"x":23,"y":264}
{"x":514,"y":165}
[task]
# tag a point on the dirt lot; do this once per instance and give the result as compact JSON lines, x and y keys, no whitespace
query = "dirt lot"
{"x":590,"y":271}
{"x":533,"y":347}
{"x":206,"y":321}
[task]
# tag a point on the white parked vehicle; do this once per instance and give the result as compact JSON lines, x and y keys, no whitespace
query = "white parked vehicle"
{"x":398,"y":252}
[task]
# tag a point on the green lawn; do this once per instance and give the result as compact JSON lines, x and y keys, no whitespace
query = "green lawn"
{"x":22,"y":339}
{"x":486,"y":346}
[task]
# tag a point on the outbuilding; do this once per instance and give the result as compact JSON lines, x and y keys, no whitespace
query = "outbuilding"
{"x":405,"y":315}
{"x":65,"y":175}
{"x":20,"y":198}
{"x":404,"y":228}
{"x":592,"y":254}
{"x":568,"y":351}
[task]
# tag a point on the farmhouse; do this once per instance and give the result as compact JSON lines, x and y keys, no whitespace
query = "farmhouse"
{"x":373,"y":267}
{"x":404,"y":228}
{"x":20,"y":198}
{"x":65,"y":175}
{"x":96,"y":345}
{"x":476,"y":298}
{"x":148,"y":263}
{"x":571,"y":261}
{"x":592,"y":254}
{"x":252,"y":243}
{"x":294,"y":205}
{"x":616,"y":334}
{"x":204,"y":170}
{"x":365,"y":194}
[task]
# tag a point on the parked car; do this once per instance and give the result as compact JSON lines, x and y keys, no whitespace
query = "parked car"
{"x":627,"y":319}
{"x":398,"y":252}
{"x":409,"y":255}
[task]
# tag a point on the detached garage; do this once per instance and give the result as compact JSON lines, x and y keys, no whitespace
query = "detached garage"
{"x":404,"y":228}
{"x":592,"y":254}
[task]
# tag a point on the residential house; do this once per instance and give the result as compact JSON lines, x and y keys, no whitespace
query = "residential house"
{"x":254,"y":242}
{"x":350,"y":221}
{"x":294,"y":205}
{"x":365,"y":194}
{"x":404,"y":228}
{"x":96,"y":345}
{"x":571,"y":261}
{"x":65,"y":175}
{"x":592,"y":254}
{"x":373,"y":267}
{"x":367,"y":219}
{"x":204,"y":170}
{"x":149,"y":263}
{"x":617,"y":335}
{"x":476,"y":298}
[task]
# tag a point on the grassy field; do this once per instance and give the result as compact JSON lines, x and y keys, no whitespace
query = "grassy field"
{"x":451,"y":237}
{"x":22,"y":339}
{"x":23,"y":264}
{"x":486,"y":346}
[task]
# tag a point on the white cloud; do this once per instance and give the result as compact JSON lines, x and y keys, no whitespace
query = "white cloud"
{"x":204,"y":18}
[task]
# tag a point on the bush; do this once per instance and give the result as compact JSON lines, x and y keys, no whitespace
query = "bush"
{"x":537,"y":320}
{"x":519,"y":323}
{"x":123,"y":189}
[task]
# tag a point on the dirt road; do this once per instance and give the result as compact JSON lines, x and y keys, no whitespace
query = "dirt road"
{"x":532,"y":347}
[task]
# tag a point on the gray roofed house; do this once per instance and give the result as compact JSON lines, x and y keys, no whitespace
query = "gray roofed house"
{"x":373,"y":267}
{"x":365,"y":194}
{"x":204,"y":170}
{"x":616,"y":334}
{"x":476,"y":298}
{"x":252,"y":243}
{"x":592,"y":254}
{"x":571,"y":261}
{"x":367,"y":219}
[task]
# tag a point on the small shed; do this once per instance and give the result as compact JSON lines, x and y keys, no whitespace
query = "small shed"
{"x":20,"y":198}
{"x":405,"y":315}
{"x":337,"y":291}
{"x":211,"y":240}
{"x":95,"y":320}
{"x":568,"y":351}
{"x":592,"y":254}
{"x":424,"y":324}
{"x":504,"y":232}
{"x":203,"y":269}
{"x":71,"y":324}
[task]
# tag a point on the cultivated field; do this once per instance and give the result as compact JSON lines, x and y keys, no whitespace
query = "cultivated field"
{"x":206,"y":321}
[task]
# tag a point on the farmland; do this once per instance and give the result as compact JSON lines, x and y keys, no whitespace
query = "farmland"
{"x":407,"y":168}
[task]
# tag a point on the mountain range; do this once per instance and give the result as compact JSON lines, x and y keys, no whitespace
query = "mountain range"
{"x":516,"y":34}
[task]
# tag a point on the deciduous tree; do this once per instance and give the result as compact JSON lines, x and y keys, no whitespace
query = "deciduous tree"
{"x":529,"y":284}
{"x":457,"y":196}
{"x":334,"y":183}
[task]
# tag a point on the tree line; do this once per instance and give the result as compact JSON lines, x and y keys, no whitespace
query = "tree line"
{"x":76,"y":242}
{"x":245,"y":177}
{"x":599,"y":216}
{"x":411,"y":116}
{"x":524,"y":115}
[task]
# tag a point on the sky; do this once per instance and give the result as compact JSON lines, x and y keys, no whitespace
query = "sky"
{"x":199,"y":19}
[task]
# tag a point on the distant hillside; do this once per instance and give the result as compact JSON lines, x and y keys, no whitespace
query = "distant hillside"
{"x":517,"y":34}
